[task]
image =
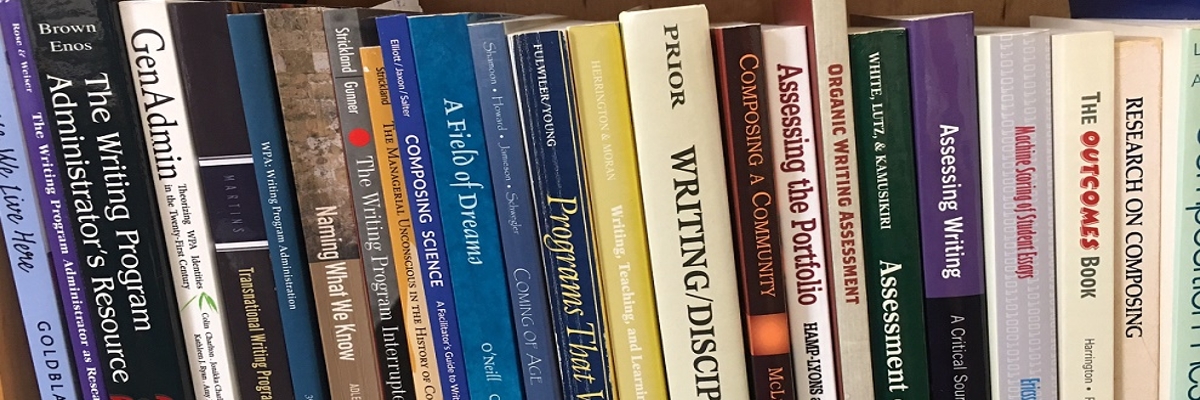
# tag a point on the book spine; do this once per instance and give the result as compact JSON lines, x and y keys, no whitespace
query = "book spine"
{"x":800,"y":212}
{"x":1018,"y":204}
{"x":65,"y":271}
{"x":153,"y":59}
{"x":231,"y":197}
{"x":310,"y":117}
{"x":459,"y":155}
{"x":750,"y":165}
{"x":78,"y":47}
{"x":878,"y":66}
{"x":1085,"y":226}
{"x":400,"y":223}
{"x":946,"y":143}
{"x":419,"y":179}
{"x":528,"y":295}
{"x":28,"y":253}
{"x":1138,"y":88}
{"x":829,"y":60}
{"x":277,"y":195}
{"x":19,"y":380}
{"x":682,"y":171}
{"x":606,"y":134}
{"x":346,"y":31}
{"x":542,"y":68}
{"x":1181,"y":323}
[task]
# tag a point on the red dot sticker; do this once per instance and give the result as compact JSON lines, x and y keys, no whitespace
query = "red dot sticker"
{"x":359,"y":137}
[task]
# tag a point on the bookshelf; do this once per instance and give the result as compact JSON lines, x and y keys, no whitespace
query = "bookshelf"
{"x":987,"y":12}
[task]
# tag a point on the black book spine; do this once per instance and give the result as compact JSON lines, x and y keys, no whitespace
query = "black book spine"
{"x":346,"y":31}
{"x":79,"y":50}
{"x":235,"y":214}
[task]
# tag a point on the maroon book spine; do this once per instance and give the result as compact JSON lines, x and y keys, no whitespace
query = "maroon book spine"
{"x":738,"y":56}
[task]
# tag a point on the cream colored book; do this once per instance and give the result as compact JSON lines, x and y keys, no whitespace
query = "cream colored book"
{"x":1138,"y":104}
{"x":1176,"y":200}
{"x":669,"y":64}
{"x":1085,"y":190}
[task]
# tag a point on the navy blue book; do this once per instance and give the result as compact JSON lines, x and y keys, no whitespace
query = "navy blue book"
{"x":419,"y":179}
{"x":293,"y":289}
{"x":1136,"y":9}
{"x":551,"y":127}
{"x":510,"y":177}
{"x":460,"y":160}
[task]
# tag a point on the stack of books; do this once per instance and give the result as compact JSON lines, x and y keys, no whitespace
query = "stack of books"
{"x":217,"y":200}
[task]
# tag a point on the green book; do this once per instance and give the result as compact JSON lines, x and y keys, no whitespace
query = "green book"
{"x":895,"y":292}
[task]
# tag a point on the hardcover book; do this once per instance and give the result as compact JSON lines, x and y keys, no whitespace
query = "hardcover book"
{"x":310,"y":118}
{"x":829,"y":61}
{"x":801,"y":217}
{"x":750,"y":163}
{"x":153,"y":58}
{"x":346,"y":31}
{"x":553,"y":146}
{"x":1138,"y":94}
{"x":1016,"y":148}
{"x":419,"y":178}
{"x":422,"y":352}
{"x":277,"y":195}
{"x":223,"y":151}
{"x":1085,"y":210}
{"x":101,"y":153}
{"x":458,"y":151}
{"x":896,"y":291}
{"x":1175,"y":203}
{"x":606,"y":134}
{"x":946,"y":144}
{"x":30,"y":283}
{"x":682,"y":170}
{"x":528,"y":294}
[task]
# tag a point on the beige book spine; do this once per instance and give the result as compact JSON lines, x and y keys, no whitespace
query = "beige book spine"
{"x":1139,"y":110}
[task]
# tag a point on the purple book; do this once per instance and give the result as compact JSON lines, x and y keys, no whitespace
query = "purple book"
{"x":72,"y":290}
{"x":946,"y":137}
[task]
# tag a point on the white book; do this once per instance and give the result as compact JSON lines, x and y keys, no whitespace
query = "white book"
{"x":673,"y":97}
{"x":151,"y":49}
{"x":1179,"y":324}
{"x":1085,"y":191}
{"x":1016,"y":146}
{"x":802,"y":218}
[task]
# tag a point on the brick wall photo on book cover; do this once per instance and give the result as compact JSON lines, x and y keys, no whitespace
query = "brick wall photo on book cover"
{"x":310,"y":117}
{"x":293,"y":288}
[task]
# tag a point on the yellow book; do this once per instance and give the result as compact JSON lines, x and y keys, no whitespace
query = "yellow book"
{"x":422,"y":348}
{"x":602,"y":95}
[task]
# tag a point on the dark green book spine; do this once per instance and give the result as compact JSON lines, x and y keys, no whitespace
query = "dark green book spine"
{"x":895,"y":292}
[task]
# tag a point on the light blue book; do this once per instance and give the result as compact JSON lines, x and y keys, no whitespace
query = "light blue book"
{"x":28,"y":254}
